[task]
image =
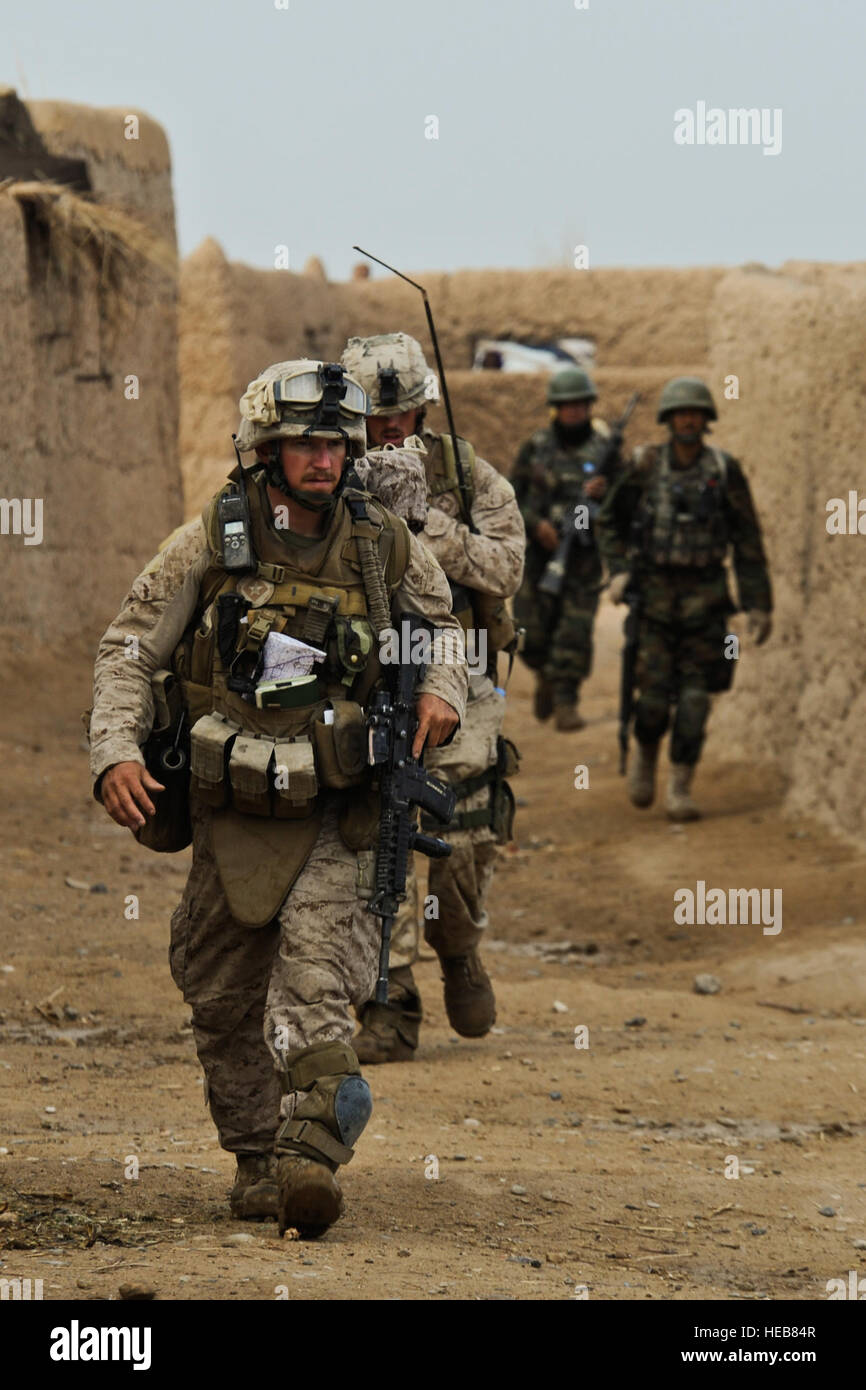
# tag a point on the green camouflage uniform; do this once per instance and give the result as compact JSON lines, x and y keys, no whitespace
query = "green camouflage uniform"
{"x":548,"y":479}
{"x":673,"y":527}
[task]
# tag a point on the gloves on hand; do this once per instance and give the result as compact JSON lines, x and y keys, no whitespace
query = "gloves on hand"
{"x":618,"y":586}
{"x":759,"y":625}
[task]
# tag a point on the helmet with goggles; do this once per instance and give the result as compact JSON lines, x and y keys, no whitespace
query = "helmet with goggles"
{"x":293,"y":400}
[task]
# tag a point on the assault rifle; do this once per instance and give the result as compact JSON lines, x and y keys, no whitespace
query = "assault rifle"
{"x":404,"y":785}
{"x":631,"y":632}
{"x":553,"y":578}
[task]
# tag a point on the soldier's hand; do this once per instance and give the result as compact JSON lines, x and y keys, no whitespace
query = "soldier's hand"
{"x":124,"y":790}
{"x":436,"y":720}
{"x":759,"y":625}
{"x":547,"y":535}
{"x":618,"y":586}
{"x":596,"y":487}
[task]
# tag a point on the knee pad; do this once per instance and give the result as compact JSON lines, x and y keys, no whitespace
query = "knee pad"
{"x":333,"y":1104}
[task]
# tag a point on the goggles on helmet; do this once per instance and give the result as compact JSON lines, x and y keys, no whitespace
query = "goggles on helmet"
{"x":323,"y":389}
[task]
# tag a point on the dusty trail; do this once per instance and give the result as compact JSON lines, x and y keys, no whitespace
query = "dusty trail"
{"x":558,"y":1168}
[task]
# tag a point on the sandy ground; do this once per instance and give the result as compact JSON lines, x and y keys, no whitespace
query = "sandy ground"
{"x":563,"y":1172}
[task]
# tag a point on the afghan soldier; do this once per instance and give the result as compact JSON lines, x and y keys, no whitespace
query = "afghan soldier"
{"x":272,"y":944}
{"x":479,"y":544}
{"x":667,"y":526}
{"x":559,"y":468}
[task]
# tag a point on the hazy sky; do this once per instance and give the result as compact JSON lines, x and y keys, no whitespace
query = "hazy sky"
{"x":306,"y":125}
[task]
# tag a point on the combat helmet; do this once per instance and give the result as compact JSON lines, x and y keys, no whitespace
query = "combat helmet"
{"x":292,"y":399}
{"x":570,"y":384}
{"x":393,"y":371}
{"x":686,"y":393}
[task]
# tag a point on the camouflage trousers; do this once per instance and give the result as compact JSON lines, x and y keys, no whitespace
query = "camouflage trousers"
{"x":558,"y":632}
{"x":258,"y":992}
{"x":678,"y":669}
{"x":454,"y":914}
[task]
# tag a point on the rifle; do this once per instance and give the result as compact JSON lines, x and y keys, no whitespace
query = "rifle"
{"x":404,"y":786}
{"x":631,"y":632}
{"x":553,"y":578}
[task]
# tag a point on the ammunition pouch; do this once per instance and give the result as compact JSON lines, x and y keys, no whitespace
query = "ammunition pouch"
{"x":167,"y":758}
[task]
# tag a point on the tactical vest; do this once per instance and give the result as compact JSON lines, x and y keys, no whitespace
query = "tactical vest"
{"x":558,"y":468}
{"x":684,"y":520}
{"x":471,"y":607}
{"x":262,"y":771}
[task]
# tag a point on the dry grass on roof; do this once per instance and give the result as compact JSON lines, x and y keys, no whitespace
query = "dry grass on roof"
{"x":112,"y":240}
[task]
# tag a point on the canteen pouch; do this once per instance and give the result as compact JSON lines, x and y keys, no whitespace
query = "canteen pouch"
{"x":249,"y":761}
{"x":341,"y":747}
{"x":211,"y":739}
{"x":295,"y":780}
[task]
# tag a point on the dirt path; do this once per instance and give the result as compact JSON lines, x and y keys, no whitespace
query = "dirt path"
{"x":562,"y":1171}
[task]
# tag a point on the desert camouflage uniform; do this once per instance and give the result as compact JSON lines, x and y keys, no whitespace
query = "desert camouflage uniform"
{"x":684,"y":607}
{"x":548,"y":477}
{"x":492,"y":563}
{"x":302,"y":971}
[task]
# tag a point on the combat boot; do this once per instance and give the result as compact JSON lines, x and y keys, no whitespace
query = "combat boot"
{"x":642,"y":774}
{"x":469,"y":999}
{"x":679,"y":803}
{"x":310,"y":1198}
{"x":389,"y":1032}
{"x":254,"y":1195}
{"x":567,"y":718}
{"x":542,"y":702}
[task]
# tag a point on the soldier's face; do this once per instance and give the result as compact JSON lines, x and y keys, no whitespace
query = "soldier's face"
{"x":390,"y":429}
{"x":573,"y":413}
{"x":314,"y":465}
{"x":687,"y":425}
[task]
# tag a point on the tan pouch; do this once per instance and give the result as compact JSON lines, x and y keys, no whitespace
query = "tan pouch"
{"x":248,"y":773}
{"x":210,"y":741}
{"x":295,"y":780}
{"x":341,"y":747}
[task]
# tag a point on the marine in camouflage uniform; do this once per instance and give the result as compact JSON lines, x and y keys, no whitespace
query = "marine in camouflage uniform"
{"x":272,"y":944}
{"x":675,"y":514}
{"x":555,"y":471}
{"x":483,"y":566}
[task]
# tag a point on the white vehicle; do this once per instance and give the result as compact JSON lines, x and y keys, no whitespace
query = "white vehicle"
{"x":505,"y":355}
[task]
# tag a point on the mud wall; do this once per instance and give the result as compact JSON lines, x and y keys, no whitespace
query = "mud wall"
{"x":79,"y":318}
{"x":792,"y":338}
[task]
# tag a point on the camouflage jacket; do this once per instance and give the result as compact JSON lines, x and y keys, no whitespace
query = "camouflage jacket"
{"x":490,"y":561}
{"x":623,"y":536}
{"x":548,"y":476}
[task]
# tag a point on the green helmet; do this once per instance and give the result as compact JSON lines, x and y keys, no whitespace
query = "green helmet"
{"x":686,"y":393}
{"x":570,"y":384}
{"x":291,"y":399}
{"x":392,"y":370}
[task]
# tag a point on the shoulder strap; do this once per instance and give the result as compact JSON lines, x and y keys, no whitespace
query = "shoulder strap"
{"x":445,"y":469}
{"x":721,"y":461}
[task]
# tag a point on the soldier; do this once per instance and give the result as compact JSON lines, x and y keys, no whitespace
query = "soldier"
{"x":556,"y":468}
{"x":272,"y":943}
{"x":669,"y":523}
{"x":483,"y":567}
